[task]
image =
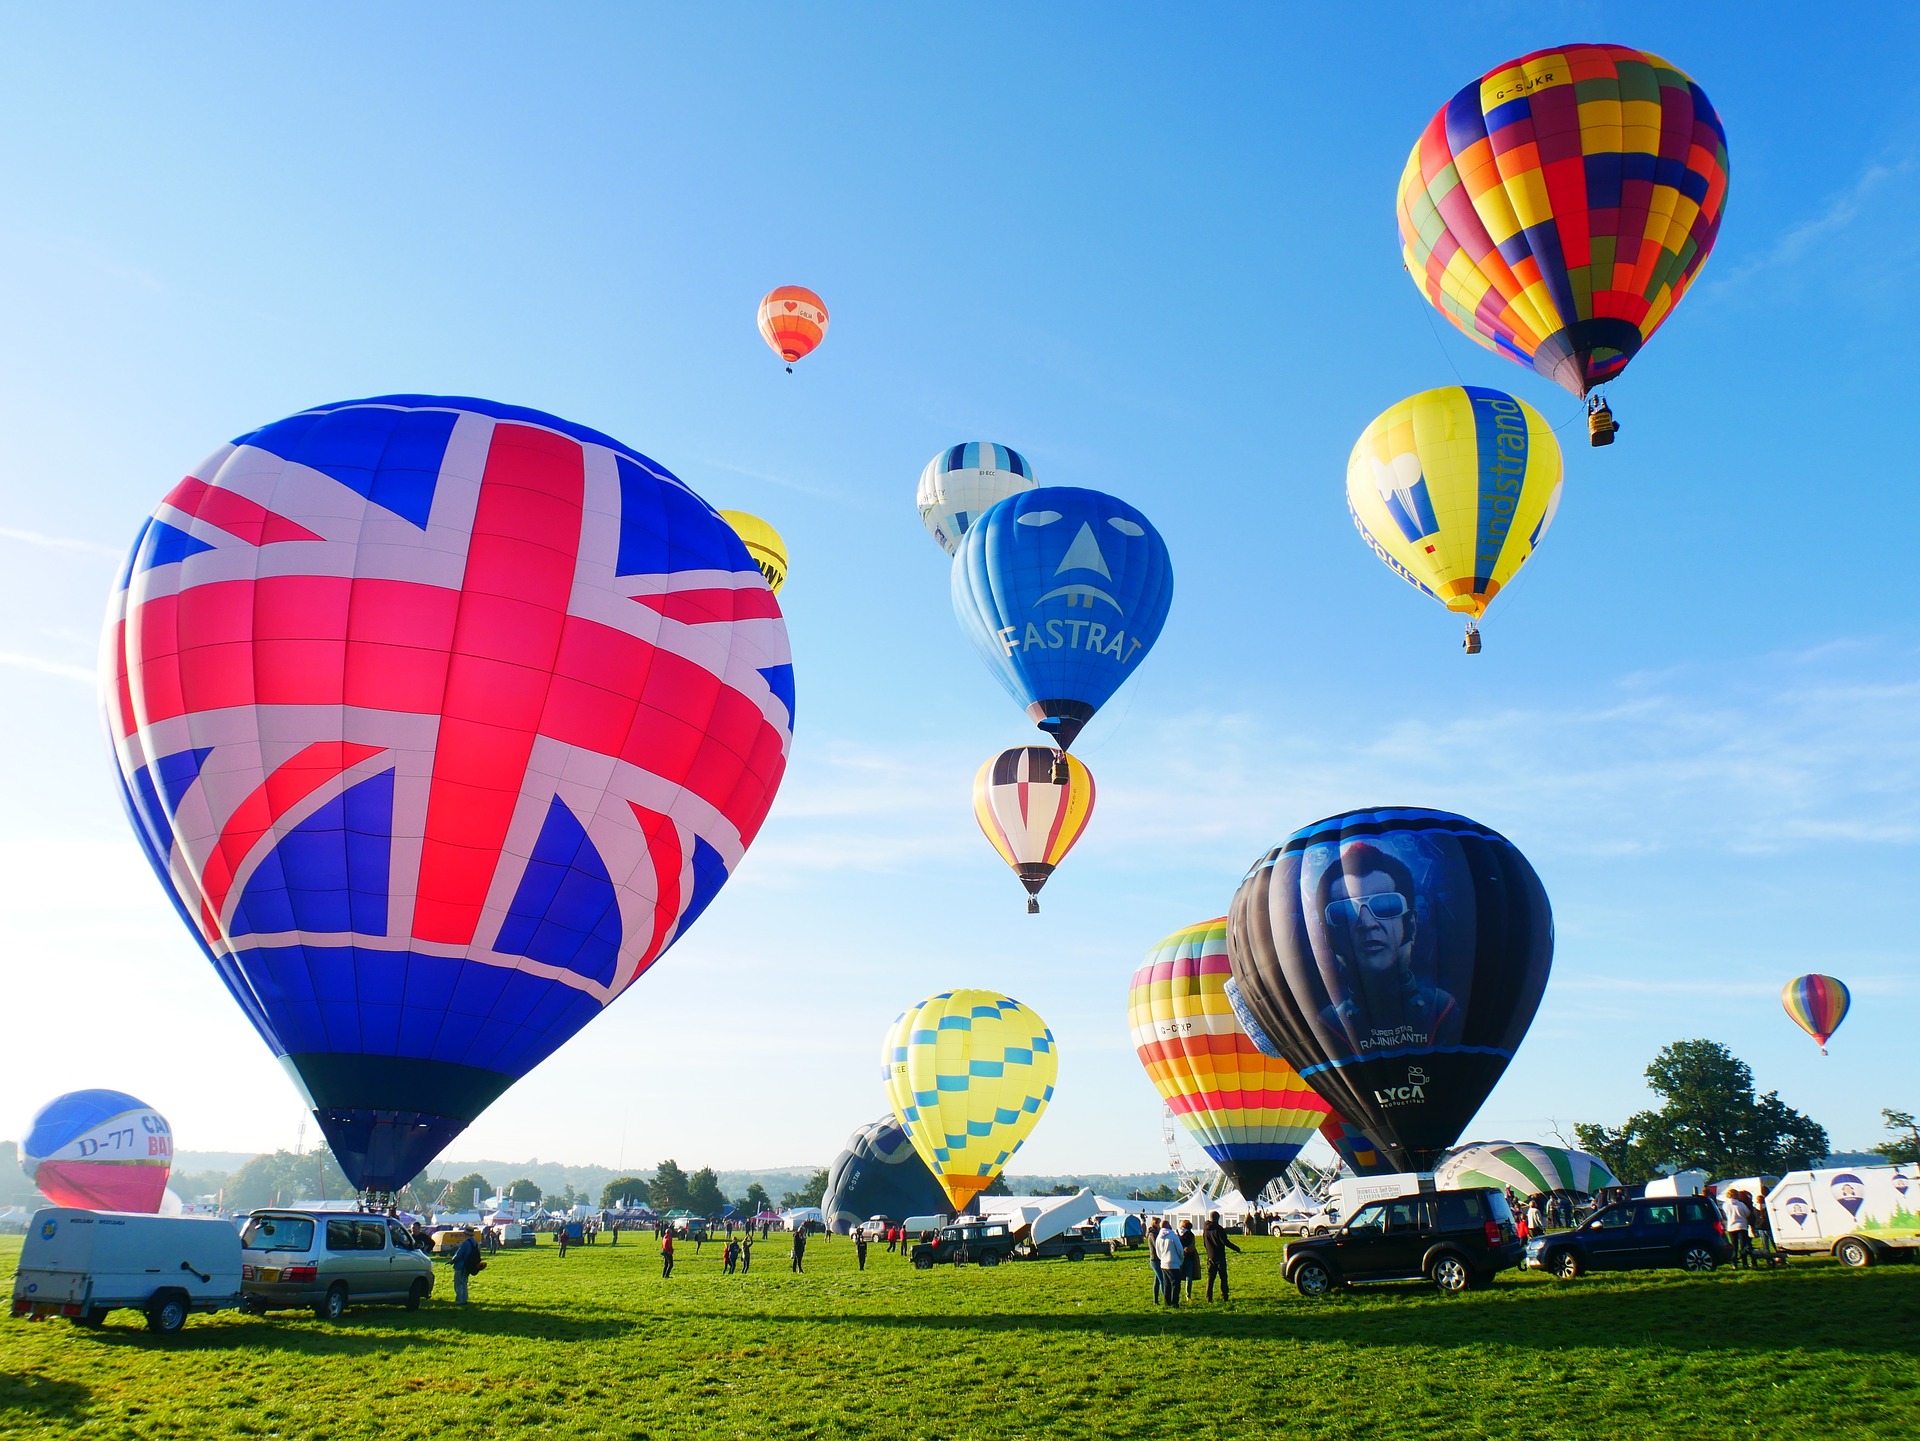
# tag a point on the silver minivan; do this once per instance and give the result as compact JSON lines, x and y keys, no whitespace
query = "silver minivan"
{"x":327,"y":1260}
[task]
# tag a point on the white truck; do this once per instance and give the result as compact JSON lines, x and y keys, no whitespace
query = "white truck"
{"x":83,"y":1264}
{"x":1859,"y":1214}
{"x":1350,"y":1193}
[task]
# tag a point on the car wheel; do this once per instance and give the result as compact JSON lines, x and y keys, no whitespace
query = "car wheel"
{"x":990,"y":1258}
{"x":334,"y":1305}
{"x":93,"y":1318}
{"x":923,"y":1263}
{"x":1565,"y":1265}
{"x":1853,"y":1253}
{"x":1313,"y":1279}
{"x":416,"y":1293}
{"x":1696,"y":1258}
{"x":167,"y":1315}
{"x":1451,"y":1274}
{"x":1075,"y":1254}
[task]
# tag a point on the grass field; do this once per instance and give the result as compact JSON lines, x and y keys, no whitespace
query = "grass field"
{"x":598,"y":1345}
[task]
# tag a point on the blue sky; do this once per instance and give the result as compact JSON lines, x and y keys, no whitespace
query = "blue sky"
{"x":1152,"y":249}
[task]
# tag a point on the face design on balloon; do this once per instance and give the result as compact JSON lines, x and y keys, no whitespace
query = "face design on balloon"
{"x":1083,"y":558}
{"x":1797,"y":1211}
{"x":1849,"y":1190}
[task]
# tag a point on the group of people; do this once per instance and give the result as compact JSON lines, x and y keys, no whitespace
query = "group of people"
{"x":1176,"y":1254}
{"x":1543,"y":1211}
{"x":1745,"y":1219}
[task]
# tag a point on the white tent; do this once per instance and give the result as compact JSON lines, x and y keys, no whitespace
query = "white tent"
{"x":799,"y":1216}
{"x":1231,"y":1205}
{"x":1295,"y":1203}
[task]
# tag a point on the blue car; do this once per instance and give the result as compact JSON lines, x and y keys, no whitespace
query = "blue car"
{"x":1647,"y":1233}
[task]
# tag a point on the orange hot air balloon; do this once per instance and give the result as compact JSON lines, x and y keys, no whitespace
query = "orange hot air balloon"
{"x":794,"y":320}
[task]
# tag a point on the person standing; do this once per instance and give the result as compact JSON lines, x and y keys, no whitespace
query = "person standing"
{"x":666,"y":1254}
{"x":799,"y":1252}
{"x":560,"y":1235}
{"x":466,"y":1260}
{"x":1190,"y":1260}
{"x":729,"y":1257}
{"x":1217,"y":1242}
{"x":1153,"y":1257}
{"x":1762,"y":1225}
{"x":1739,"y":1217}
{"x":1173,"y":1260}
{"x":746,"y":1251}
{"x":860,"y":1249}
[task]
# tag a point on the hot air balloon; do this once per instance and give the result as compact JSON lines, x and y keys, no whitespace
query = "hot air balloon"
{"x":1251,"y":1112}
{"x":1453,"y":489}
{"x":440,"y":720}
{"x":969,"y":1074}
{"x":1817,"y":1004}
{"x":878,"y":1173}
{"x":1063,"y":592}
{"x":1557,"y":208}
{"x":1396,"y":957}
{"x":793,"y":320}
{"x":763,"y":543}
{"x":1032,"y":803}
{"x":1525,"y":1166}
{"x":964,"y":481}
{"x":99,"y":1151}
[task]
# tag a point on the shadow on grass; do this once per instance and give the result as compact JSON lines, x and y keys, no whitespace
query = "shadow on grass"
{"x":43,"y":1398}
{"x":369,"y":1330}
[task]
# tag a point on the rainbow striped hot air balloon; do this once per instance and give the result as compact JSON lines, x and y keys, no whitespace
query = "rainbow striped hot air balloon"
{"x":1818,"y":1004}
{"x":1250,"y":1111}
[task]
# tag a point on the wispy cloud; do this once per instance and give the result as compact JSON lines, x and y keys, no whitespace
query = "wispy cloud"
{"x":59,"y":542}
{"x":65,"y":671}
{"x":1839,"y":214}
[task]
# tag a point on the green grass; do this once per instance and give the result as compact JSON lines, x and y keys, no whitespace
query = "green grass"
{"x":599,"y":1346}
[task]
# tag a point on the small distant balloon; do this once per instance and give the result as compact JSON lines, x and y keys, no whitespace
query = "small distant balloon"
{"x":763,"y":543}
{"x":1032,"y":803}
{"x":964,"y":481}
{"x":1817,"y":1004}
{"x":793,"y":321}
{"x":100,"y":1151}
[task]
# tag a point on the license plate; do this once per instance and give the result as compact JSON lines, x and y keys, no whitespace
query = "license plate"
{"x":269,"y":1273}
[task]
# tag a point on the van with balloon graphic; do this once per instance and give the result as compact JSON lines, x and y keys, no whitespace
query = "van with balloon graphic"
{"x":1861,"y":1215}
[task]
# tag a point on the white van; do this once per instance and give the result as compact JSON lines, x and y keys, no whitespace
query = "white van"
{"x":1861,"y":1214}
{"x":1350,"y":1193}
{"x":83,"y":1264}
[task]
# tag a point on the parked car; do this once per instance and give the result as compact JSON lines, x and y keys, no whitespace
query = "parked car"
{"x":85,"y":1264}
{"x":327,"y":1261}
{"x":987,"y":1242}
{"x":1646,"y":1233}
{"x":1456,"y":1239}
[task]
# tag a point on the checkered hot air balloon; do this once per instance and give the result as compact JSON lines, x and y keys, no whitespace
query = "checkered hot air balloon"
{"x":1817,"y":1004}
{"x":969,"y":1074}
{"x":1558,"y":208}
{"x":1032,"y":803}
{"x":1250,"y":1111}
{"x":440,"y":720}
{"x":793,"y":320}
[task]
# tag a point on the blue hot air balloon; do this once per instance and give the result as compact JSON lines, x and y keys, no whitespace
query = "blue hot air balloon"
{"x":880,"y":1174}
{"x":1063,"y":591}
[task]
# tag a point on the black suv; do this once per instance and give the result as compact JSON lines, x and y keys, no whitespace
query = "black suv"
{"x":986,"y":1242}
{"x":1456,"y":1239}
{"x":1643,"y":1234}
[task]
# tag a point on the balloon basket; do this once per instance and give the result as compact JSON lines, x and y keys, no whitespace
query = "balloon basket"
{"x":1471,"y":641}
{"x":1601,"y":426}
{"x":1033,"y":905}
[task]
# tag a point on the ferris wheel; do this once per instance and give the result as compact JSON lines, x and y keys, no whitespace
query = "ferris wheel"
{"x":1187,"y":1179}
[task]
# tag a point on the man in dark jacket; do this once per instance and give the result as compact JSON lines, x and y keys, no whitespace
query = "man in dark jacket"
{"x":799,"y":1248}
{"x":1216,"y":1242}
{"x":466,"y":1260}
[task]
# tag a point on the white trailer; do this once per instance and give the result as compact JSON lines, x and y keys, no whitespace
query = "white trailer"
{"x":83,"y":1264}
{"x":1350,"y":1193}
{"x":1858,"y":1214}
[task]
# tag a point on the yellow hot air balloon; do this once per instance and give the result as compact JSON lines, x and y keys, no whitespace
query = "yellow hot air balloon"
{"x":1032,"y":802}
{"x":769,"y":552}
{"x":1453,"y":488}
{"x":969,"y":1074}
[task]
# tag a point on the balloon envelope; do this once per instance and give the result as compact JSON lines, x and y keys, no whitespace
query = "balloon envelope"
{"x":1529,"y":1168}
{"x":440,"y":720}
{"x":1032,"y":803}
{"x":100,"y":1151}
{"x":1453,"y":489}
{"x":793,"y":320}
{"x":1063,"y":592}
{"x":969,"y":1074}
{"x":878,"y":1173}
{"x":1817,"y":1005}
{"x":1556,"y":209}
{"x":964,"y":481}
{"x":1251,"y":1112}
{"x":1396,"y":957}
{"x":763,"y":543}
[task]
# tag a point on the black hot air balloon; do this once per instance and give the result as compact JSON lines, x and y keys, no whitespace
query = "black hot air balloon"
{"x":880,"y":1174}
{"x":1395,"y":957}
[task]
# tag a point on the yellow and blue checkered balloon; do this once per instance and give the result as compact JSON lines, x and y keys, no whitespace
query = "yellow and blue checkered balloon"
{"x":969,"y":1074}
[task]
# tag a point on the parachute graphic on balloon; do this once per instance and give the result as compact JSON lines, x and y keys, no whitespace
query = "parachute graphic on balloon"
{"x":440,"y":720}
{"x":763,"y":543}
{"x":878,"y":1173}
{"x":962,"y":482}
{"x":793,"y":320}
{"x":99,"y":1151}
{"x":1251,"y":1112}
{"x":1063,"y":592}
{"x":1396,"y":957}
{"x":1032,"y":803}
{"x":1453,"y":489}
{"x":1557,"y":209}
{"x":969,"y":1073}
{"x":1817,"y":1004}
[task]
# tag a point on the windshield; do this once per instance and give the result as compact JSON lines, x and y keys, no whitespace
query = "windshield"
{"x":1369,"y":1218}
{"x":278,"y":1233}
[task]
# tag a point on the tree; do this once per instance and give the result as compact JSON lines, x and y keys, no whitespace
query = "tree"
{"x":1162,"y":1192}
{"x":811,"y":1194}
{"x":704,"y":1195}
{"x":1905,"y":1145}
{"x":525,"y":1191}
{"x":1711,"y":1121}
{"x":757,"y":1200}
{"x":997,"y":1187}
{"x":623,"y":1189}
{"x":668,"y":1189}
{"x":284,"y":1178}
{"x":460,"y":1193}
